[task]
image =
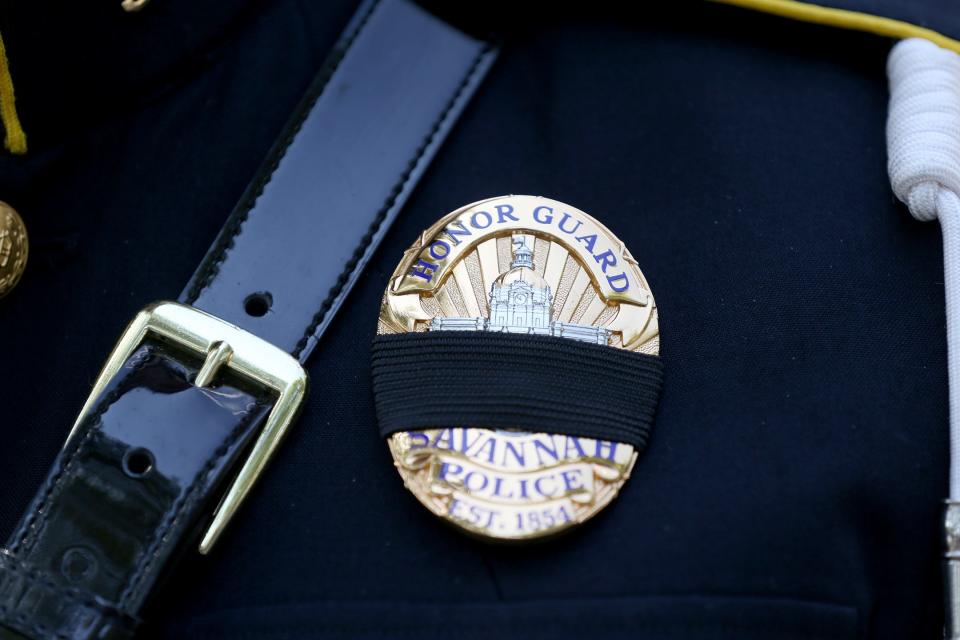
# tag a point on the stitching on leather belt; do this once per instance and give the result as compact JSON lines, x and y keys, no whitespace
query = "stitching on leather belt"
{"x":351,"y":265}
{"x":32,"y":520}
{"x":34,"y":628}
{"x":235,"y":224}
{"x":22,"y":622}
{"x":33,"y":575}
{"x":173,"y":515}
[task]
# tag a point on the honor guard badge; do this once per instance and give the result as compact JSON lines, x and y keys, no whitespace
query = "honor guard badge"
{"x":515,"y":368}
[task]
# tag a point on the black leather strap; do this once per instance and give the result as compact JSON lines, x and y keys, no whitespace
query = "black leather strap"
{"x":513,"y":381}
{"x":36,"y":605}
{"x":134,"y":482}
{"x":124,"y":494}
{"x":344,"y":167}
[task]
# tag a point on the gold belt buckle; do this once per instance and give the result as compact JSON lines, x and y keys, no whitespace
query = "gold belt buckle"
{"x":222,"y":344}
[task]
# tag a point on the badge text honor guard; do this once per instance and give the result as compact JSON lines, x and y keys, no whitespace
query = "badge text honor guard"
{"x":515,"y":369}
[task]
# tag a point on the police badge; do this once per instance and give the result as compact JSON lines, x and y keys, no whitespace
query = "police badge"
{"x":491,"y":332}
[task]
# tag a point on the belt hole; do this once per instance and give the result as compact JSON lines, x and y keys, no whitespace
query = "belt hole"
{"x":137,"y":462}
{"x":257,"y":304}
{"x":78,"y":564}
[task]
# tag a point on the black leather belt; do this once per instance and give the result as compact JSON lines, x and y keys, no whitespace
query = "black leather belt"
{"x":198,"y":394}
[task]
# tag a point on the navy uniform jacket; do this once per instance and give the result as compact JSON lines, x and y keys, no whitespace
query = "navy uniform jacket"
{"x":793,"y":484}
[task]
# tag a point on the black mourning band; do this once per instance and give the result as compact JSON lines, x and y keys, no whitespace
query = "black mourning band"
{"x":514,"y":381}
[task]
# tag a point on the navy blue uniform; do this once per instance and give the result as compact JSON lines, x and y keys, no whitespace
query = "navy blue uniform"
{"x":792,"y":487}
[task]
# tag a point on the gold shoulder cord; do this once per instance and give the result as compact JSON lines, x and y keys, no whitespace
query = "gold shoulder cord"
{"x":15,"y":140}
{"x":844,"y":19}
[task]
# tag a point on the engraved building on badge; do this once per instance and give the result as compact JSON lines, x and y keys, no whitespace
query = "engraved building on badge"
{"x":521,"y":302}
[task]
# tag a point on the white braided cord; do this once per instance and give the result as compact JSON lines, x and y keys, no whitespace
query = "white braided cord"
{"x":923,"y":145}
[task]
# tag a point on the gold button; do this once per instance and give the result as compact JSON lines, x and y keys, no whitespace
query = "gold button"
{"x":13,"y":248}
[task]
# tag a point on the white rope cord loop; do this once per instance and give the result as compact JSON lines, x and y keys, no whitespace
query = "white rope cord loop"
{"x":923,"y":144}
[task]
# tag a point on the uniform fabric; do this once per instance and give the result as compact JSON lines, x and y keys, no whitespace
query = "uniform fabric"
{"x":939,"y":15}
{"x":792,"y":485}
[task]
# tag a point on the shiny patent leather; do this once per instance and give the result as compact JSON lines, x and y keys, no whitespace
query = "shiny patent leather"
{"x":126,"y":492}
{"x":362,"y":138}
{"x":99,"y":534}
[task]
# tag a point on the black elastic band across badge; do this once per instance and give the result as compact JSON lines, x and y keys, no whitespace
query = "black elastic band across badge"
{"x":514,"y":381}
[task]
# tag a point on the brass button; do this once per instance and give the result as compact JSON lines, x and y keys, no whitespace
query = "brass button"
{"x":133,"y":5}
{"x":13,"y":248}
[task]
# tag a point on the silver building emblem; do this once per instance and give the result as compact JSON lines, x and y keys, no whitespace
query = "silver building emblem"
{"x":521,"y":302}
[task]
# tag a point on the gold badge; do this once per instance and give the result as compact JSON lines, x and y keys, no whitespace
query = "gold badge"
{"x":529,"y":265}
{"x":13,"y":248}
